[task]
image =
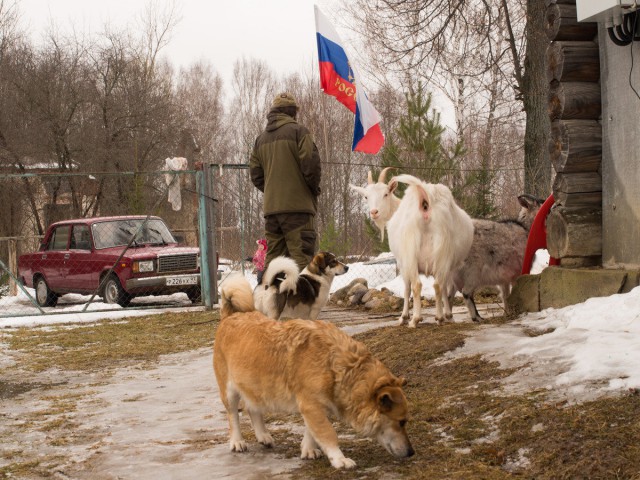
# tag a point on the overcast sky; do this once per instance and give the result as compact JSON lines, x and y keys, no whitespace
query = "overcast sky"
{"x":280,"y":32}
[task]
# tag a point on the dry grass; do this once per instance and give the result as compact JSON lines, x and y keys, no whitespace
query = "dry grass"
{"x":462,"y":426}
{"x":108,"y":344}
{"x":462,"y":429}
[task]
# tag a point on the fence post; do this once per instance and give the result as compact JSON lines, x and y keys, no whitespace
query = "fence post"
{"x":205,"y":276}
{"x":211,"y":232}
{"x":13,"y":266}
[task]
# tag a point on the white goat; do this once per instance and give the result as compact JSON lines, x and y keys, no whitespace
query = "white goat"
{"x":380,"y":198}
{"x":428,"y":233}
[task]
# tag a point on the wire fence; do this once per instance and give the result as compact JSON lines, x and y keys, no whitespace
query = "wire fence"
{"x":105,"y":242}
{"x":133,"y":239}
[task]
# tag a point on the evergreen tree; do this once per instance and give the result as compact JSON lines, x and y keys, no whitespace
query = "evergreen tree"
{"x":332,"y":240}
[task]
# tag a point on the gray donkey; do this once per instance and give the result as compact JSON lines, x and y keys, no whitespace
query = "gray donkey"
{"x":496,"y":254}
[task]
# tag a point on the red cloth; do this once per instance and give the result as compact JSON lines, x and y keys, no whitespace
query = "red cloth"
{"x":260,"y":255}
{"x":538,"y":237}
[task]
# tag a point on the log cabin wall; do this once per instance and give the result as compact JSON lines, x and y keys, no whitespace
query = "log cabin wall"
{"x":620,"y":153}
{"x":574,"y":226}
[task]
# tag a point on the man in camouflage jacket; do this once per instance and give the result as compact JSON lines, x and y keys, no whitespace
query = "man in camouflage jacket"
{"x":285,"y":166}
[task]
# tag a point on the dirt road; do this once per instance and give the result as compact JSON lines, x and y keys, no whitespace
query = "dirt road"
{"x":163,"y":422}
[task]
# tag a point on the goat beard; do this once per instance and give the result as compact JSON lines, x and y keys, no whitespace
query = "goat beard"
{"x":380,"y":224}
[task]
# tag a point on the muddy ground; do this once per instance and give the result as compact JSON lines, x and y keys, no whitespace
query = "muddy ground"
{"x":136,"y":399}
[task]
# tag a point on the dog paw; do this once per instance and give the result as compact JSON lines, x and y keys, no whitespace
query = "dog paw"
{"x":311,"y":453}
{"x":238,"y":446}
{"x":266,"y":440}
{"x":343,"y":462}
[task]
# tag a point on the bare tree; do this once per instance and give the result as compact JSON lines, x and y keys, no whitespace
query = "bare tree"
{"x":456,"y":44}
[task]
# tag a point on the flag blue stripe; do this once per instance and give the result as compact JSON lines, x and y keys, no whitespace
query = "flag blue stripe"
{"x":331,"y":52}
{"x":358,"y":128}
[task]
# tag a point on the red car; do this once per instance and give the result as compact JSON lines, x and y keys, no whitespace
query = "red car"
{"x":86,"y":256}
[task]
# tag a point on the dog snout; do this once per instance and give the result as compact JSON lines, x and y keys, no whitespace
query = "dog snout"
{"x":346,"y":268}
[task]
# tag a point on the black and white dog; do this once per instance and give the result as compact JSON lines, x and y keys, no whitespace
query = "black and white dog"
{"x":287,"y":292}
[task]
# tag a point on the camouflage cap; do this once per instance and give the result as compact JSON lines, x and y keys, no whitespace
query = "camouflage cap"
{"x":284,"y":100}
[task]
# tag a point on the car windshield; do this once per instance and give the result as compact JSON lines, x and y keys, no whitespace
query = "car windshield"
{"x":119,"y":232}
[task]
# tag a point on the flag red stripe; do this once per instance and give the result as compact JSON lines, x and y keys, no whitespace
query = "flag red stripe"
{"x":333,"y":84}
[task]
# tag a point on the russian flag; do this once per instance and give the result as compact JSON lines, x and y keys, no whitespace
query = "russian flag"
{"x":337,"y":78}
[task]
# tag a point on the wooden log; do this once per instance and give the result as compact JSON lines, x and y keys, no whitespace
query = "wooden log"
{"x":573,"y":62}
{"x":590,"y":182}
{"x":574,"y":232}
{"x":574,"y":101}
{"x":562,"y":24}
{"x":575,"y":146}
{"x":578,"y":199}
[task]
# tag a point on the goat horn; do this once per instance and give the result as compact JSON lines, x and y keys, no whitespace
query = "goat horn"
{"x":369,"y":178}
{"x":383,"y":174}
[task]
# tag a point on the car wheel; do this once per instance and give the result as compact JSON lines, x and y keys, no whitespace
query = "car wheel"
{"x":44,"y":296}
{"x":113,"y":292}
{"x":195,"y":295}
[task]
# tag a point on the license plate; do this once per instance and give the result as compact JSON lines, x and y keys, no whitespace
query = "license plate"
{"x":190,"y":280}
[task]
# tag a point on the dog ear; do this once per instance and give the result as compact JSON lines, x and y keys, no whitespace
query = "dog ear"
{"x":321,"y":261}
{"x":385,"y":402}
{"x":388,"y":398}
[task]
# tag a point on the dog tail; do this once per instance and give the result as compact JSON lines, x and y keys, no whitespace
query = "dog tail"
{"x":282,"y":273}
{"x":236,"y":296}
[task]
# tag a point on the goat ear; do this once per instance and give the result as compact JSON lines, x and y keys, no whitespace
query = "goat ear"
{"x":524,"y":201}
{"x":393,"y":184}
{"x":360,"y":190}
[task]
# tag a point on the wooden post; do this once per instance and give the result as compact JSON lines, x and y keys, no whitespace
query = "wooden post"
{"x":13,"y":266}
{"x":574,"y":225}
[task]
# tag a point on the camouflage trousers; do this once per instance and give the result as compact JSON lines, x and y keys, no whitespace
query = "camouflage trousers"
{"x":292,"y":235}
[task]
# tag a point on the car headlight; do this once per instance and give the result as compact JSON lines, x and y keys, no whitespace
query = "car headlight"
{"x":142,"y":267}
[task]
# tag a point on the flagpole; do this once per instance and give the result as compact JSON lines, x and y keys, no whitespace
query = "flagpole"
{"x":324,"y":128}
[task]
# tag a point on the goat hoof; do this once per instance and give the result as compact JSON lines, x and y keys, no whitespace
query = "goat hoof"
{"x":448,"y":316}
{"x":477,"y":319}
{"x":401,"y":321}
{"x":440,"y":320}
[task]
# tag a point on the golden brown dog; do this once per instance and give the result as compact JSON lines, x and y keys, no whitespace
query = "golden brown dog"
{"x":311,"y":367}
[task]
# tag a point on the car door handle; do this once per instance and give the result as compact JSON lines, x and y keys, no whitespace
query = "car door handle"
{"x":66,"y":256}
{"x":44,"y":256}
